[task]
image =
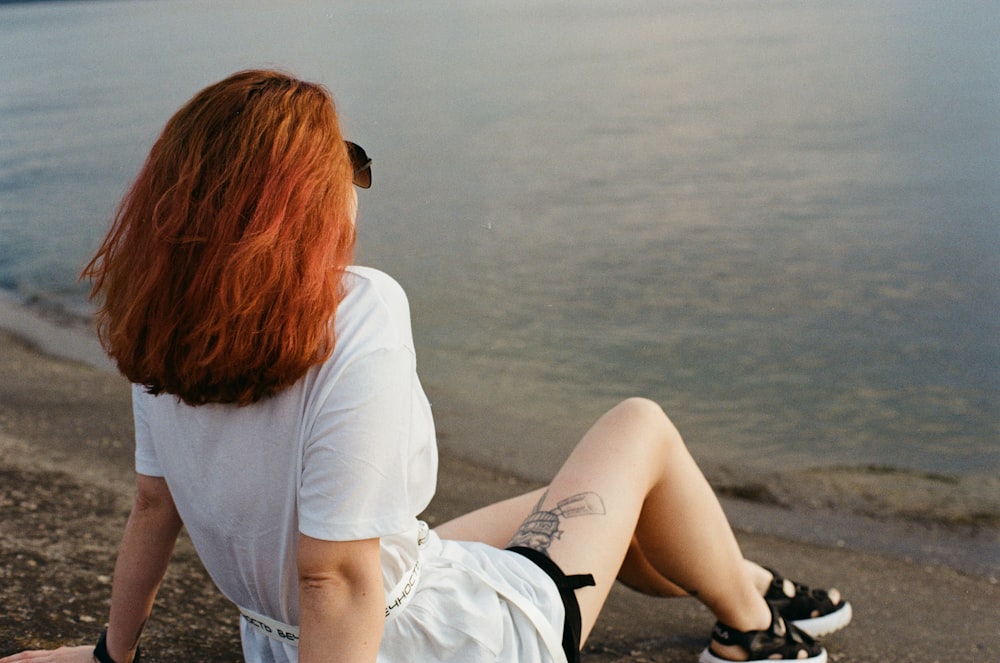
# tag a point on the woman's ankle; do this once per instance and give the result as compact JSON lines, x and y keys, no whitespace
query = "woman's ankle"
{"x":755,"y":615}
{"x":761,"y":576}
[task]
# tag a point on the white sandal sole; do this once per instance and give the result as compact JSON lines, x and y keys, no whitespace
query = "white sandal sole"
{"x":820,"y":626}
{"x":708,"y":657}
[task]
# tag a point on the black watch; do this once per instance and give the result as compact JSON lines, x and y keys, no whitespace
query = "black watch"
{"x":101,"y":650}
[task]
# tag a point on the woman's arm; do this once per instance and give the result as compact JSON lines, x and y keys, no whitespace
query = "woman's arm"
{"x":341,"y":600}
{"x":145,"y":552}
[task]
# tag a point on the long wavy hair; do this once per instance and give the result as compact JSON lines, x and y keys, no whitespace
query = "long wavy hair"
{"x":220,"y":276}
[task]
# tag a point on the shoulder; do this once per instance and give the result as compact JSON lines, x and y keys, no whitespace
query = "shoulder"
{"x":372,"y":282}
{"x":374,"y":310}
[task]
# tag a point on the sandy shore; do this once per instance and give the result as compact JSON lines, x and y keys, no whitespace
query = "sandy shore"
{"x":65,"y":484}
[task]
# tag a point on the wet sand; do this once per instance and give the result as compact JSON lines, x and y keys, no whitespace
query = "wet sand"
{"x":65,"y":485}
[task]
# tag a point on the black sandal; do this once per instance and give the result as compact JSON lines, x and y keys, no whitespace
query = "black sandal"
{"x":780,"y":639}
{"x":811,"y":610}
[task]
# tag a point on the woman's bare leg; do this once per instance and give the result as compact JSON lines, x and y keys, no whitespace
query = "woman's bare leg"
{"x":497,"y":523}
{"x":638,"y":573}
{"x":494,"y":524}
{"x":631,"y":475}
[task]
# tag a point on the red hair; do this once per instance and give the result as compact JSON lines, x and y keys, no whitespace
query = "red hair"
{"x":220,"y":276}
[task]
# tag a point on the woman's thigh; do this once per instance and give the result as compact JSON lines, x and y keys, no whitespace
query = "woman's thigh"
{"x":585,"y":519}
{"x":494,"y":524}
{"x":631,"y":482}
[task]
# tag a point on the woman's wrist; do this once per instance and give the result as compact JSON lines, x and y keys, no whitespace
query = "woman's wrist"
{"x":101,"y":654}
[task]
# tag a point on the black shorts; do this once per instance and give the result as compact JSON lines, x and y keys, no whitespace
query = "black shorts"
{"x":567,"y":586}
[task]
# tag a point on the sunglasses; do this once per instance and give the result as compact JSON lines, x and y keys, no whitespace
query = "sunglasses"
{"x":362,"y":164}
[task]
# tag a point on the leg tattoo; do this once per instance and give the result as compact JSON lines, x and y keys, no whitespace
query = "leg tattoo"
{"x":541,"y":528}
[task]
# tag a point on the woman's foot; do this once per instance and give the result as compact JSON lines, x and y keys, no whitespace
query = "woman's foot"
{"x":779,"y":642}
{"x":818,"y":612}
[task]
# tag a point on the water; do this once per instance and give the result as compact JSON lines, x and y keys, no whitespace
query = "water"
{"x":781,"y":220}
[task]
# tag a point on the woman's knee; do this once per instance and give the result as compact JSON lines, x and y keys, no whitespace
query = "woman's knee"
{"x":653,"y":430}
{"x":638,"y":406}
{"x":647,"y":413}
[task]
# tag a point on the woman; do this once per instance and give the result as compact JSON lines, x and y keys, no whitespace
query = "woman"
{"x":279,"y":418}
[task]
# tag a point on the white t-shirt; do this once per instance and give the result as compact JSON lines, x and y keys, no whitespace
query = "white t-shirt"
{"x":348,"y":452}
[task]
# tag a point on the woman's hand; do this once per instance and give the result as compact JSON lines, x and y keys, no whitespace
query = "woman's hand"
{"x":84,"y":654}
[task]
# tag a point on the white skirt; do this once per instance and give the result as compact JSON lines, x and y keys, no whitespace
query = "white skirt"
{"x":474,"y":603}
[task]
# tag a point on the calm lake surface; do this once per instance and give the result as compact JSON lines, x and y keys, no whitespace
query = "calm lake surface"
{"x":780,"y":220}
